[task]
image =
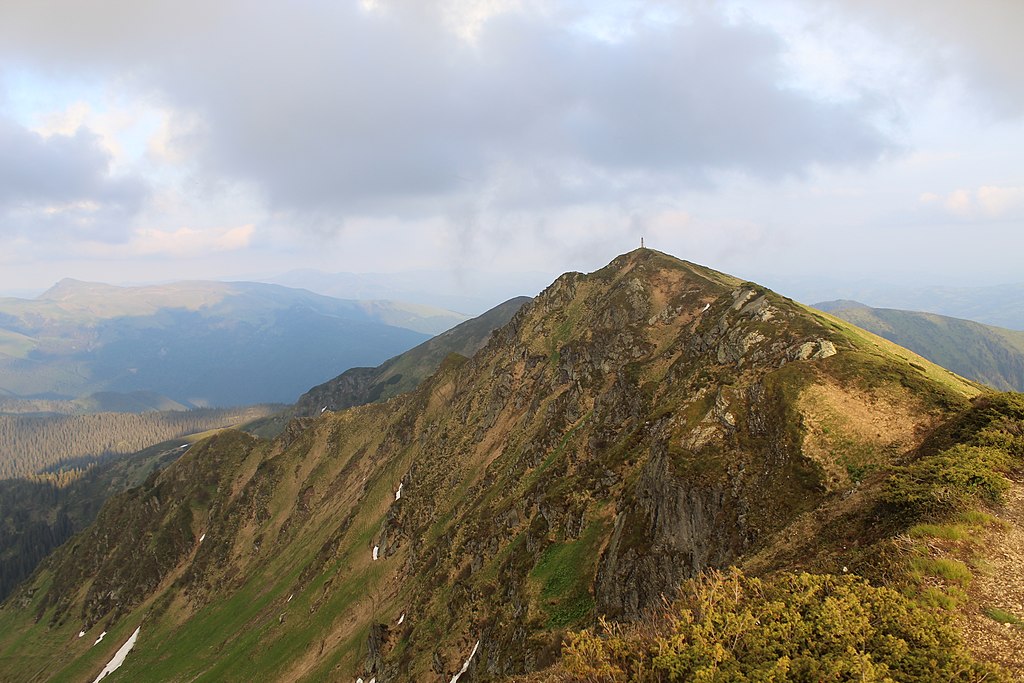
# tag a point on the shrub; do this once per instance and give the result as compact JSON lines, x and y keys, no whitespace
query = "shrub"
{"x":955,"y":480}
{"x":790,"y":627}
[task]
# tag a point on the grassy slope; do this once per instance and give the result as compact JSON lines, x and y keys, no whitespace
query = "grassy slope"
{"x":992,"y":355}
{"x":515,"y":466}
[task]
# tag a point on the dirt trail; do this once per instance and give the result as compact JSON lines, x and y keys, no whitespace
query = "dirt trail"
{"x":1001,"y":586}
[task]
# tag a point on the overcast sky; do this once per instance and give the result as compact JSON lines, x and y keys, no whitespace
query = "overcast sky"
{"x":779,"y":141}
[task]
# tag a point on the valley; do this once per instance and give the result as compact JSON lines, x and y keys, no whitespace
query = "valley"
{"x":200,"y":344}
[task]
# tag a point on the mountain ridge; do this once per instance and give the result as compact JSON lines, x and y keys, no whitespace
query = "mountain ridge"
{"x":988,"y":354}
{"x":626,"y":430}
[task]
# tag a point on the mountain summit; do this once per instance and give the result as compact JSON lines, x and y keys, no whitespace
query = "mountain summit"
{"x":626,"y":430}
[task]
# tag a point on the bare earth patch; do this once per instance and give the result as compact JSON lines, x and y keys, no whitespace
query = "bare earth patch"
{"x":849,"y":431}
{"x":1000,"y":587}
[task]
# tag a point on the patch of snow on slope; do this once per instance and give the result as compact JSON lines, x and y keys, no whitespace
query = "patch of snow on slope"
{"x":398,"y":493}
{"x":202,"y":538}
{"x":401,"y":619}
{"x":115,"y":663}
{"x":81,"y":633}
{"x":99,"y":639}
{"x":465,"y":665}
{"x":376,"y":552}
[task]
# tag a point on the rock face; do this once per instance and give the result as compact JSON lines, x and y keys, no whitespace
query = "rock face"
{"x":672,"y":530}
{"x":623,"y":431}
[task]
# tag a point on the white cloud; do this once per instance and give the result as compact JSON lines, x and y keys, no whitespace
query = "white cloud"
{"x":998,"y":201}
{"x":986,"y":201}
{"x":959,"y":202}
{"x":978,"y":41}
{"x":186,"y":242}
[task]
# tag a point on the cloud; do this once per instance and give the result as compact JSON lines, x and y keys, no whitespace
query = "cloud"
{"x":402,"y":110}
{"x":61,"y":184}
{"x":998,"y":201}
{"x":62,"y":167}
{"x":189,"y":241}
{"x":986,"y":201}
{"x":978,"y":42}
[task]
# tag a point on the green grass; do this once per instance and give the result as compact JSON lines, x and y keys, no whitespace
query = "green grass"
{"x":15,"y":345}
{"x":949,"y":532}
{"x":945,"y":568}
{"x":986,"y":354}
{"x":564,"y":574}
{"x":1002,"y":616}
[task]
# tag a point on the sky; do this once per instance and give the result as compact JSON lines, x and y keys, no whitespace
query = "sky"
{"x":783,"y":141}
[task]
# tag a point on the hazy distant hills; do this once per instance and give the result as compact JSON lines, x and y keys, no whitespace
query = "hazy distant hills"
{"x":993,"y":355}
{"x":1001,"y":305}
{"x":403,"y":373}
{"x":470,"y":290}
{"x":198,"y":343}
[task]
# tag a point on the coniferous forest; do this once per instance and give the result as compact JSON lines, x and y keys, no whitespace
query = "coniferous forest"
{"x":56,"y":471}
{"x":61,"y":445}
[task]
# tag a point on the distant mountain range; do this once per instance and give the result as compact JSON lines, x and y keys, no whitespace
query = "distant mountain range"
{"x":1000,"y":305}
{"x":197,"y":343}
{"x":992,"y":355}
{"x":403,"y":373}
{"x":469,"y":290}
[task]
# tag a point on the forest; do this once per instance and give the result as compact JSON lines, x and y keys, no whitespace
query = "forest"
{"x":58,"y":448}
{"x":58,"y":470}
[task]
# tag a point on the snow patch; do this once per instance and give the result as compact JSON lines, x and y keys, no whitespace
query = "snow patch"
{"x":465,"y":665}
{"x":81,"y":633}
{"x":290,"y":597}
{"x":99,"y":639}
{"x":115,"y":663}
{"x":401,"y":619}
{"x":376,"y":552}
{"x":202,"y":538}
{"x":706,"y":307}
{"x":398,"y":493}
{"x":323,"y":409}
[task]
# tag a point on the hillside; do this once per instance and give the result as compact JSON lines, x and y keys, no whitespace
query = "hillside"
{"x":56,"y":471}
{"x":38,"y":514}
{"x":991,"y":355}
{"x":197,"y":343}
{"x":625,"y":431}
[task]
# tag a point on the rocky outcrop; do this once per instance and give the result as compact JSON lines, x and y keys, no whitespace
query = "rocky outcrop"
{"x":669,"y":531}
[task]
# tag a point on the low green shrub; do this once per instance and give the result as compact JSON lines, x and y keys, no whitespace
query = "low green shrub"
{"x":956,"y":480}
{"x":789,"y":627}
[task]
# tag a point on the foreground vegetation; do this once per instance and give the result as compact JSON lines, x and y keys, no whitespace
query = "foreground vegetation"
{"x":728,"y":626}
{"x":789,"y":627}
